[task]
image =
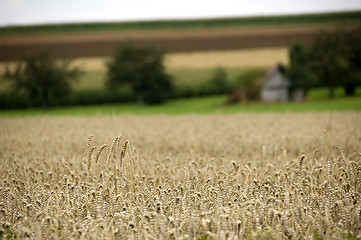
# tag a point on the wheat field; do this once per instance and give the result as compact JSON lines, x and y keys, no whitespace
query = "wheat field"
{"x":240,"y":58}
{"x":261,"y":176}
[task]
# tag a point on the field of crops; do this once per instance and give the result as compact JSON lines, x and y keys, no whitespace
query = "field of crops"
{"x":95,"y":44}
{"x":237,"y":58}
{"x":264,"y":176}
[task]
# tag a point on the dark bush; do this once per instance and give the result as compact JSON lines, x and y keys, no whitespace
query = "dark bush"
{"x":248,"y":87}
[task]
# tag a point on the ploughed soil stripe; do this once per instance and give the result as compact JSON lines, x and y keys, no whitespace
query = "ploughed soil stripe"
{"x":94,"y":45}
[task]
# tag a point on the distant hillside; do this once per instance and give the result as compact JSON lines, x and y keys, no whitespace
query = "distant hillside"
{"x":321,"y":18}
{"x":101,"y":39}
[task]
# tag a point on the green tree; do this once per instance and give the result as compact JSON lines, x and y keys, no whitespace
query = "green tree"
{"x":335,"y":59}
{"x":143,"y":70}
{"x":42,"y":78}
{"x":298,"y":71}
{"x":352,"y":78}
{"x":326,"y":59}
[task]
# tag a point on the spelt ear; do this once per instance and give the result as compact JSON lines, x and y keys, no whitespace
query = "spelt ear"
{"x":124,"y":149}
{"x":100,"y":151}
{"x":112,"y":149}
{"x":87,"y":149}
{"x":90,"y":157}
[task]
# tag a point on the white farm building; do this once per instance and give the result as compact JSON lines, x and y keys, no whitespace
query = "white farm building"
{"x":276,"y":87}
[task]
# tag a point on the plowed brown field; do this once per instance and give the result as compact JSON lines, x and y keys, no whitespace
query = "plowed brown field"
{"x":104,"y":43}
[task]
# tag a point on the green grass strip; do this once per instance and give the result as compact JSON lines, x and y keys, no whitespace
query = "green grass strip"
{"x":201,"y":105}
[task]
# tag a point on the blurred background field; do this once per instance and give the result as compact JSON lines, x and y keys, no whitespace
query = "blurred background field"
{"x":101,"y":39}
{"x":194,"y":49}
{"x":184,"y":67}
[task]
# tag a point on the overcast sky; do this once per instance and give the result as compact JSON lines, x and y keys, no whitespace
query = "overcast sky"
{"x":13,"y":12}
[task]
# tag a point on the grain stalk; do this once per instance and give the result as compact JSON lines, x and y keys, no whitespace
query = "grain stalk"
{"x":99,"y":152}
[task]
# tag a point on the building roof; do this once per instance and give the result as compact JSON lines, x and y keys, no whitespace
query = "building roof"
{"x":272,"y":73}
